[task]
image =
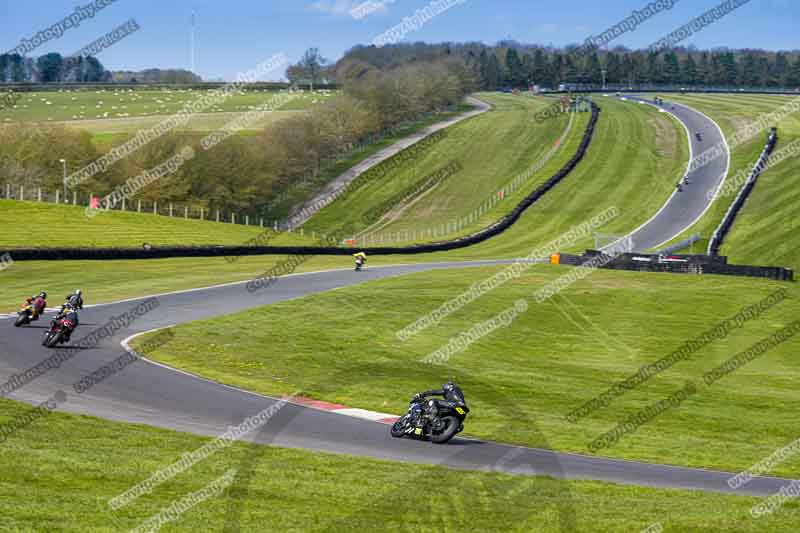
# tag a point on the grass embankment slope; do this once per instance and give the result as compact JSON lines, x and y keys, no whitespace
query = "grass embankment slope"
{"x":491,"y":149}
{"x":67,"y":486}
{"x":636,"y":157}
{"x":764,"y":232}
{"x":342,"y":347}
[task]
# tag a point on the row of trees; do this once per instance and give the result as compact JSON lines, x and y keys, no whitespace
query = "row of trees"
{"x":246,"y":173}
{"x":511,"y":64}
{"x":54,"y":68}
{"x":51,"y":68}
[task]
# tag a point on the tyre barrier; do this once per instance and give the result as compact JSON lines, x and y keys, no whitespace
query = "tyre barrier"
{"x":163,"y":252}
{"x":730,"y":217}
{"x":681,"y":264}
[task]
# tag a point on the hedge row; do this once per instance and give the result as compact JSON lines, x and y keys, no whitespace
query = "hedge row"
{"x":730,"y":217}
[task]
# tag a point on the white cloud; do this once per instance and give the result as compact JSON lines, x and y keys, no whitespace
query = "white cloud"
{"x":333,"y":7}
{"x":348,"y":7}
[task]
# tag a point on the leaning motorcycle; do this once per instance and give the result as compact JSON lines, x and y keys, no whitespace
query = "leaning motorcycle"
{"x":59,"y":329}
{"x":24,"y":315}
{"x":418,"y":423}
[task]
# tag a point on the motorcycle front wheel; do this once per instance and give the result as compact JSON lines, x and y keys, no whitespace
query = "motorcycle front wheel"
{"x":53,"y":341}
{"x":21,"y":320}
{"x":399,"y":428}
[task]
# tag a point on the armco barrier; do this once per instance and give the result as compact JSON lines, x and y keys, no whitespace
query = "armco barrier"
{"x":157,"y":252}
{"x":681,"y":264}
{"x":727,"y":221}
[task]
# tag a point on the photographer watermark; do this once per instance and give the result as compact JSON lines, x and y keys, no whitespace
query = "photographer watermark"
{"x":370,"y":6}
{"x":629,"y":24}
{"x":413,"y":23}
{"x":136,"y":184}
{"x":190,"y":459}
{"x":181,"y":118}
{"x":696,"y":25}
{"x":475,"y":333}
{"x":513,"y":271}
{"x":108,"y":40}
{"x":59,"y":28}
{"x":174,"y":511}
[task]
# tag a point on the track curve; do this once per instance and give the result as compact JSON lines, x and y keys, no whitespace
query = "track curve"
{"x":685,"y":207}
{"x":155,"y":395}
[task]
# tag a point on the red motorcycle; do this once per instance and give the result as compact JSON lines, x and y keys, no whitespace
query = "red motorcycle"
{"x":59,"y":331}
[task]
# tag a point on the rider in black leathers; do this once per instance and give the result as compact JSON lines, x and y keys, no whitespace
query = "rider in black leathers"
{"x":75,"y":300}
{"x":453,"y":397}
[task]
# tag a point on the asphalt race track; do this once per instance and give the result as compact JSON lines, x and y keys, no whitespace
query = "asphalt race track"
{"x":685,"y":207}
{"x":151,"y":394}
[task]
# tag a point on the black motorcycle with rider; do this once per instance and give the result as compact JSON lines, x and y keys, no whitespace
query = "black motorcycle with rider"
{"x":434,"y":419}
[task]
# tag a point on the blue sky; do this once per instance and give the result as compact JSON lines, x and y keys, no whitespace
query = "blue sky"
{"x":235,"y":35}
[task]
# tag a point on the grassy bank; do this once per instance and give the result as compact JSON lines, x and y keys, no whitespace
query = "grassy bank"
{"x":66,"y":487}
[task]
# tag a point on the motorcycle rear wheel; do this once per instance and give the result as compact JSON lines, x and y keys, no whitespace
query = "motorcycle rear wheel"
{"x":450,"y":429}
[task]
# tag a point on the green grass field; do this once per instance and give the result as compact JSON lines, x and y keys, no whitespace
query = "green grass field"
{"x":80,"y":105}
{"x":60,"y":473}
{"x":342,"y":347}
{"x":764,"y":232}
{"x":115,"y":228}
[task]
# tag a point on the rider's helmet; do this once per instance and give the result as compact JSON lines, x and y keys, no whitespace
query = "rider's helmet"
{"x":449,"y":386}
{"x":43,"y":294}
{"x":77,"y":292}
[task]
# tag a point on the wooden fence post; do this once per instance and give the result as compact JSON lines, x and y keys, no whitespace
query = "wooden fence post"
{"x":58,"y":192}
{"x":186,"y":211}
{"x":74,"y":197}
{"x":139,"y":208}
{"x":217,"y":215}
{"x":155,"y":207}
{"x":40,"y":194}
{"x":170,"y":209}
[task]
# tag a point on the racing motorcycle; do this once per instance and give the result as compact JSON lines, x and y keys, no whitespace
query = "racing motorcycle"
{"x":359,"y":263}
{"x":24,"y":315}
{"x":418,"y":423}
{"x":59,"y":330}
